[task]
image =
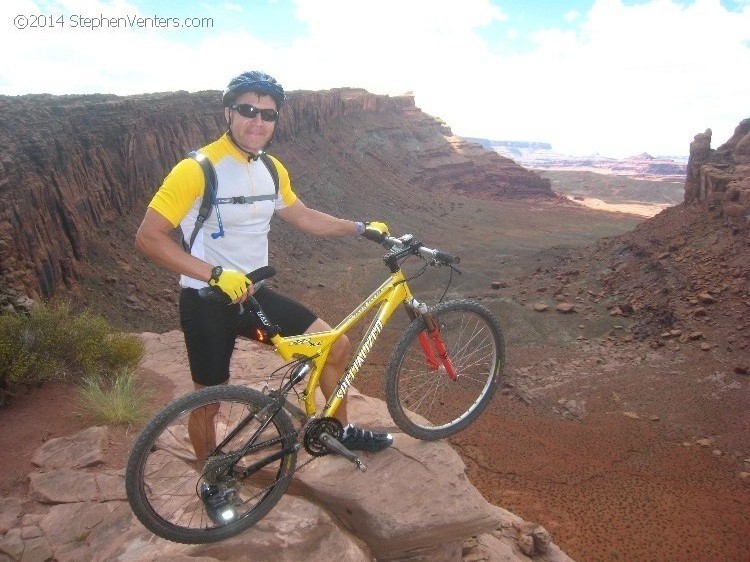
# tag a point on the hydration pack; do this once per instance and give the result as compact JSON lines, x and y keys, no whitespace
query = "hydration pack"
{"x":210,"y":190}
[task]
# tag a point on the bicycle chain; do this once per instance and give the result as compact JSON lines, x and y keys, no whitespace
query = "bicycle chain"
{"x":332,"y":426}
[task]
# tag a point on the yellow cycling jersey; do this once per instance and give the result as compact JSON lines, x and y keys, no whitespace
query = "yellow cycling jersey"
{"x":246,"y":197}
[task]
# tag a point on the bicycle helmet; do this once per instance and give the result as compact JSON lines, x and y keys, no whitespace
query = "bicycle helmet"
{"x":253,"y":81}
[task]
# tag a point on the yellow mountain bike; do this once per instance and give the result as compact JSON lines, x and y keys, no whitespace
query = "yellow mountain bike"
{"x":443,"y":372}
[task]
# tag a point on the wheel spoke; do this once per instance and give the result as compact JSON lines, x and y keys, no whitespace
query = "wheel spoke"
{"x":428,"y":403}
{"x":166,"y":486}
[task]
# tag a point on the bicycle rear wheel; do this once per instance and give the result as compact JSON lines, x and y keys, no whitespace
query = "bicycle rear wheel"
{"x":423,"y":399}
{"x":180,"y":501}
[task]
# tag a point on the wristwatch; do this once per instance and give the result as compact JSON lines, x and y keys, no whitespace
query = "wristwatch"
{"x":216,"y":273}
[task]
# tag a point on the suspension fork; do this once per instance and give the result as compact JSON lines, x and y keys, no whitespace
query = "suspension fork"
{"x":432,"y":332}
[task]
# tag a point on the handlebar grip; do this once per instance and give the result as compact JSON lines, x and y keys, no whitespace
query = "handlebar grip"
{"x":447,"y":258}
{"x":217,"y":295}
{"x":374,"y":235}
{"x":214,"y":294}
{"x":265,"y":272}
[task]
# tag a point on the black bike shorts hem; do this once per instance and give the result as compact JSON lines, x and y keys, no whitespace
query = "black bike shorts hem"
{"x":210,"y":329}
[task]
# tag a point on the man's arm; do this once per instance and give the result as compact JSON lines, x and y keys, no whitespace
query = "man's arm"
{"x":153,"y":240}
{"x":315,"y":222}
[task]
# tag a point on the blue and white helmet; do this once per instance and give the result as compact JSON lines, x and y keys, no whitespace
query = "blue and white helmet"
{"x":253,"y":81}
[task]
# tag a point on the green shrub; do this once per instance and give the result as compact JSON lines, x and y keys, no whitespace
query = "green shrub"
{"x":52,"y":342}
{"x":87,"y":340}
{"x":114,"y":400}
{"x":122,"y":350}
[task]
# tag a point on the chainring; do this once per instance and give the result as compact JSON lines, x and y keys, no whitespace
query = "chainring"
{"x":312,"y":442}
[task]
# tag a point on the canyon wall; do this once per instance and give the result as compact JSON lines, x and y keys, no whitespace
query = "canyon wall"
{"x":68,"y":164}
{"x":721,"y":176}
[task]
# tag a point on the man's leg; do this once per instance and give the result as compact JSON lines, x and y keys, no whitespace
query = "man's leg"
{"x":337,"y":360}
{"x":209,"y":332}
{"x":202,"y":429}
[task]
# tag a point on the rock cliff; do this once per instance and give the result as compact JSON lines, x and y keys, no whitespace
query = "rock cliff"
{"x":69,"y":164}
{"x":684,"y":274}
{"x":722,"y":176}
{"x":413,"y":504}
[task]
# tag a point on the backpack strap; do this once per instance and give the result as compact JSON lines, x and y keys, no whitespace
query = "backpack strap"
{"x":209,"y":194}
{"x":211,"y":187}
{"x":266,"y":159}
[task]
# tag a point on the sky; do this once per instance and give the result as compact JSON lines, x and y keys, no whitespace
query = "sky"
{"x":609,"y":77}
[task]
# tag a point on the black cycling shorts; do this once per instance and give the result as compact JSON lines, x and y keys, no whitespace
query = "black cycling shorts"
{"x":211,"y":328}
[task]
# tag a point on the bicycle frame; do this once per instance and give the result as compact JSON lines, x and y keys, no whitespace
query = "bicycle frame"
{"x":315,"y":346}
{"x":248,"y":441}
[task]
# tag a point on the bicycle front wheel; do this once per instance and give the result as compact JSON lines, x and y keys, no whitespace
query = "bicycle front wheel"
{"x":432,"y":397}
{"x":248,"y":465}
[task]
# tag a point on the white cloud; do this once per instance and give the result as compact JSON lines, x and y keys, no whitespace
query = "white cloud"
{"x":630,"y":79}
{"x":385,"y":46}
{"x":625,"y":79}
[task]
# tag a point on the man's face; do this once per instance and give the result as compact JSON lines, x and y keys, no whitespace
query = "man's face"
{"x":251,"y":133}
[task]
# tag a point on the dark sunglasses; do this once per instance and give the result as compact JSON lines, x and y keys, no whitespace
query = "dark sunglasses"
{"x":250,"y":111}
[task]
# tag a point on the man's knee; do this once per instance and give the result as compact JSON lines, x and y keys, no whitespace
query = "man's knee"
{"x":341,"y":349}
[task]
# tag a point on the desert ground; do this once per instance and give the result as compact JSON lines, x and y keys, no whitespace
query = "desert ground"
{"x":622,"y":449}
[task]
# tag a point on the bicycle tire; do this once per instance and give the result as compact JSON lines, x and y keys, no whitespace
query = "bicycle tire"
{"x":429,"y":407}
{"x":162,"y":478}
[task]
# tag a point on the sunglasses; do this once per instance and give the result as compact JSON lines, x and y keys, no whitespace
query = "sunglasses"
{"x":250,"y":111}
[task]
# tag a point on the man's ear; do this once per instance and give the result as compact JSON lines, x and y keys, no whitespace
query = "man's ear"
{"x":226,"y":114}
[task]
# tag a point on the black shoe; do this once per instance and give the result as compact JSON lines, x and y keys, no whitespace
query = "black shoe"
{"x":220,"y":503}
{"x":356,"y":439}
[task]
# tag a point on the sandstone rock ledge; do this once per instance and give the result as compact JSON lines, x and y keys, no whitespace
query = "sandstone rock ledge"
{"x":413,"y":504}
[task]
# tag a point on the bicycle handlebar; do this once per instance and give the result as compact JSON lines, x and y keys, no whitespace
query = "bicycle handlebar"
{"x":408,"y":243}
{"x":215,"y":294}
{"x":405,"y":243}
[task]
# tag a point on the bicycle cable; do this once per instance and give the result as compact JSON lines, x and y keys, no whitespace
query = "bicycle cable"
{"x":287,"y":375}
{"x":447,"y":286}
{"x":423,"y":269}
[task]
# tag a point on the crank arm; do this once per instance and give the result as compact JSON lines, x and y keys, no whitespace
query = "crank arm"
{"x":335,"y":446}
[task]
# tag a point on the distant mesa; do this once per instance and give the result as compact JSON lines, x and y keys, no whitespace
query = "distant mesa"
{"x":510,"y":147}
{"x":541,"y":156}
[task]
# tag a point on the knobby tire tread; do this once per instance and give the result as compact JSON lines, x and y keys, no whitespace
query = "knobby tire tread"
{"x":142,"y":447}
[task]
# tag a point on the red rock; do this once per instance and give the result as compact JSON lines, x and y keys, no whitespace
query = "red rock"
{"x":71,"y":163}
{"x":720,"y":176}
{"x":565,"y":308}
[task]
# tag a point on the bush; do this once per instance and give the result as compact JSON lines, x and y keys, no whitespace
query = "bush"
{"x":51,"y":342}
{"x":117,"y":400}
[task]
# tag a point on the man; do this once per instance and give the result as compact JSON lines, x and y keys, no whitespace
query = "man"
{"x":233,"y":241}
